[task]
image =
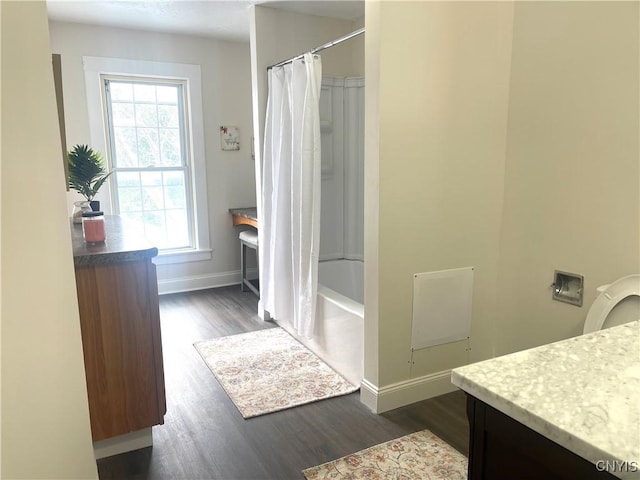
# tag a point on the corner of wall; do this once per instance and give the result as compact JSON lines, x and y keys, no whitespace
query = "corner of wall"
{"x":44,"y":393}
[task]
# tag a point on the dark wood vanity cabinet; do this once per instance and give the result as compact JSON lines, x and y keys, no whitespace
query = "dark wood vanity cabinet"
{"x":502,"y":448}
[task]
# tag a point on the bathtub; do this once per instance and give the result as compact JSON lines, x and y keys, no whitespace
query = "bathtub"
{"x":339,"y":330}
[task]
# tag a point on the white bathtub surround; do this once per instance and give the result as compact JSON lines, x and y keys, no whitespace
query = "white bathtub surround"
{"x":289,"y":233}
{"x":339,"y":330}
{"x":354,"y":169}
{"x":342,"y":133}
{"x":345,"y":277}
{"x":337,"y":338}
{"x":581,"y":393}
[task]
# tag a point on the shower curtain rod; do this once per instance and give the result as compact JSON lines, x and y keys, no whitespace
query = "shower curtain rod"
{"x":320,"y":48}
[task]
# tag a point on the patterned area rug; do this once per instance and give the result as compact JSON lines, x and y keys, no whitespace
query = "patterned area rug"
{"x":268,"y":370}
{"x":419,"y":456}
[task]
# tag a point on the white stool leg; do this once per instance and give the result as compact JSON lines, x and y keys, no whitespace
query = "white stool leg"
{"x":243,"y":266}
{"x":250,"y":241}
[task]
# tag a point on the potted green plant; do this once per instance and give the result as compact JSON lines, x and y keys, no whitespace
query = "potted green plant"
{"x":87,"y":173}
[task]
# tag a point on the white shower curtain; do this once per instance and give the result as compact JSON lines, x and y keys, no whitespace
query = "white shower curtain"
{"x":289,"y":233}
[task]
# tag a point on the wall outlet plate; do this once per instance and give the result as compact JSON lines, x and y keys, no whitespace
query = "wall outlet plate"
{"x":568,"y":288}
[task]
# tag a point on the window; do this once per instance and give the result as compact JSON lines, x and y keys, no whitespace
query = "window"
{"x":147,"y":132}
{"x":146,"y":117}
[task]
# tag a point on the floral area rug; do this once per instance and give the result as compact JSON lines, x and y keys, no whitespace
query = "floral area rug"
{"x":268,"y":370}
{"x":419,"y":456}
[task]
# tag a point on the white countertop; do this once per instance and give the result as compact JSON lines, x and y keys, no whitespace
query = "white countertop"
{"x":583,"y":393}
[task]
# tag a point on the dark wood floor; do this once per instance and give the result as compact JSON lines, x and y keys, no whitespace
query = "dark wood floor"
{"x":205,"y":437}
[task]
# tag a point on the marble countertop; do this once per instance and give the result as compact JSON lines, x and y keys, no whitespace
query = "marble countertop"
{"x":124,"y":243}
{"x":583,"y":393}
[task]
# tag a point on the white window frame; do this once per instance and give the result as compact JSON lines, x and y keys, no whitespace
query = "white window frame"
{"x":94,"y":68}
{"x":185,"y":145}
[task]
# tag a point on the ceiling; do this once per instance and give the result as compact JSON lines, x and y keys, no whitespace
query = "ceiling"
{"x":225,"y":19}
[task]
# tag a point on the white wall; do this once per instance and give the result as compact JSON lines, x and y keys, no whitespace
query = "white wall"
{"x":45,"y":414}
{"x":572,"y":181}
{"x":506,"y":138}
{"x":372,"y":322}
{"x":278,"y":35}
{"x":226,"y":91}
{"x":357,"y":49}
{"x":436,"y":118}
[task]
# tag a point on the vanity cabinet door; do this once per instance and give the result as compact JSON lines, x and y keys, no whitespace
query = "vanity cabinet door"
{"x":501,"y":448}
{"x":120,"y":325}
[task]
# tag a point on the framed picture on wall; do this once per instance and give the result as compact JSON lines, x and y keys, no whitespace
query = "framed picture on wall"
{"x":229,"y":138}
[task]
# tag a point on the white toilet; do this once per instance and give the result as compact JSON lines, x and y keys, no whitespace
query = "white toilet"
{"x":616,"y":303}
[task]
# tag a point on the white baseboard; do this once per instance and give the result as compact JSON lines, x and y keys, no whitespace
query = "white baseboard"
{"x":123,"y":443}
{"x":202,"y":282}
{"x":403,"y":393}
